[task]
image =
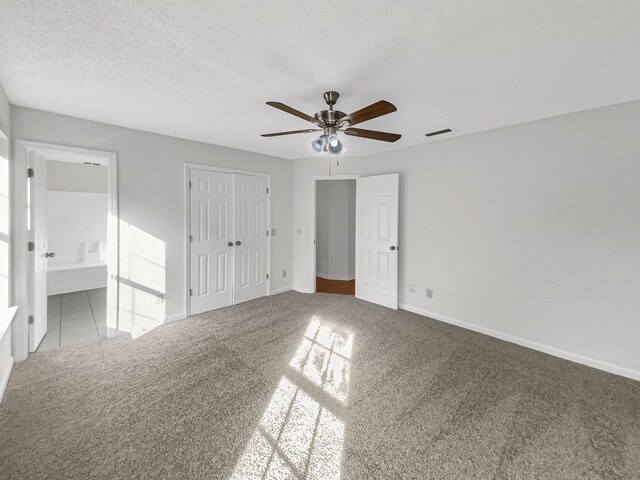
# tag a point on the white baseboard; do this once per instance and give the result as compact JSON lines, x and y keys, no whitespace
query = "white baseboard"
{"x":281,"y":290}
{"x":607,"y":367}
{"x":303,"y":290}
{"x":336,"y":277}
{"x":173,"y":318}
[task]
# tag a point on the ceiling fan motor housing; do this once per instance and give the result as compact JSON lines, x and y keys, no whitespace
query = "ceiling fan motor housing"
{"x":329,"y":117}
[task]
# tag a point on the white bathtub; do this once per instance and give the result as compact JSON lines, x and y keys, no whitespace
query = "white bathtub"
{"x":75,"y":277}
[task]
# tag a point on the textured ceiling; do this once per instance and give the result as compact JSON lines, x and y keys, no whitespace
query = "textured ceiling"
{"x":203,"y":69}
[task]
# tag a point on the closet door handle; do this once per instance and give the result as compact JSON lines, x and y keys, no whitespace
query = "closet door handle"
{"x":392,"y":248}
{"x":49,"y":254}
{"x":230,"y":244}
{"x":238,"y":242}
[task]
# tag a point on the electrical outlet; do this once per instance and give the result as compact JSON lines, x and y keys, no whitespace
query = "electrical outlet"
{"x":412,"y":288}
{"x":284,"y":273}
{"x":429,"y":293}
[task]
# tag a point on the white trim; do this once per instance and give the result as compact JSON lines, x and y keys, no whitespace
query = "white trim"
{"x":7,"y":362}
{"x":175,"y":318}
{"x":20,"y":273}
{"x":314,"y":179}
{"x":187,"y":221}
{"x":343,"y":278}
{"x":281,"y":290}
{"x":304,"y":290}
{"x":556,"y":352}
{"x":6,"y":319}
{"x":5,"y":378}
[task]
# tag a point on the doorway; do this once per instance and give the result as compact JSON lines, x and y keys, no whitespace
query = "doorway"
{"x":71,"y":225}
{"x":335,"y":212}
{"x":76,"y":222}
{"x":376,"y":236}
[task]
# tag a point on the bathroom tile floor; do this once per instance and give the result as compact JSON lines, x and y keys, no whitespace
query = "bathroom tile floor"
{"x":77,"y":317}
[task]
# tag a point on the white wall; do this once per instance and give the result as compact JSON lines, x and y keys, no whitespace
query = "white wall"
{"x":530,"y":232}
{"x":74,"y":218}
{"x":76,"y":177}
{"x":151,"y":188}
{"x":335,"y":229}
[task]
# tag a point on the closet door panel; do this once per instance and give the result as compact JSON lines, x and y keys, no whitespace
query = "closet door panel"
{"x":211,"y":220}
{"x":250,"y":202}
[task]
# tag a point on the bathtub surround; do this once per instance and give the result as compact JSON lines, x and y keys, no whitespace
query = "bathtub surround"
{"x":77,"y":221}
{"x":77,"y":233}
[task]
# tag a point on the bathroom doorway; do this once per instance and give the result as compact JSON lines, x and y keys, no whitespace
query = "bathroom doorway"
{"x":72,"y":231}
{"x":335,"y":212}
{"x":77,"y":206}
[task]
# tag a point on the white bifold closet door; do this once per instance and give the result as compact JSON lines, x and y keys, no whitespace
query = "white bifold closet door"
{"x":228,"y":235}
{"x":377,"y":239}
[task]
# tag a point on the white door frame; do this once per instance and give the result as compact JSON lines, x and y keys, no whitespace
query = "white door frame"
{"x":20,"y":235}
{"x":314,"y":180}
{"x":187,"y":221}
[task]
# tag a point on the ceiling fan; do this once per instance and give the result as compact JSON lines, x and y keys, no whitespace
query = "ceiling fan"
{"x":331,"y":121}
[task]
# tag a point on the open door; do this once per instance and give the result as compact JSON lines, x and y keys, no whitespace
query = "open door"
{"x":377,"y":239}
{"x":38,"y":249}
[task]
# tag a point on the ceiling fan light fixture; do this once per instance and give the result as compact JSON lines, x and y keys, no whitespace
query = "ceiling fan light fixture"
{"x":318,"y":144}
{"x":334,"y":145}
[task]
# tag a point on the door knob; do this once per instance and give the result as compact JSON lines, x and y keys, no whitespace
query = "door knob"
{"x":238,"y":242}
{"x":230,"y":244}
{"x":392,"y":247}
{"x":49,"y":254}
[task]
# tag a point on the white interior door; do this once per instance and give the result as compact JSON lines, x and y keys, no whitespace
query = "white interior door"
{"x":250,"y":205}
{"x":212,"y":237}
{"x":38,"y":257}
{"x":377,"y":239}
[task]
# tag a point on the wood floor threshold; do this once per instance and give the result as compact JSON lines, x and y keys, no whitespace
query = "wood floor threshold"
{"x":341,"y":287}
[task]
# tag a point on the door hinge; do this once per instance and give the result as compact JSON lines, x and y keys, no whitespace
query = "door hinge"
{"x":31,"y":246}
{"x":267,"y":276}
{"x":190,"y":293}
{"x":267,"y":233}
{"x":30,"y":173}
{"x":189,"y":183}
{"x":190,"y":238}
{"x":267,"y":190}
{"x":30,"y":319}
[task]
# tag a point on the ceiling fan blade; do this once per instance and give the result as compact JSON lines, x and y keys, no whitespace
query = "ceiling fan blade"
{"x":292,"y":111}
{"x":372,"y":134}
{"x":291,"y":132}
{"x":374,"y":110}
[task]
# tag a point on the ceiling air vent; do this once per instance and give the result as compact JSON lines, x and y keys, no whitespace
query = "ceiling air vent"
{"x":438,"y":132}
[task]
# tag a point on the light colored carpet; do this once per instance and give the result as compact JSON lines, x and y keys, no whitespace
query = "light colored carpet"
{"x":314,"y":386}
